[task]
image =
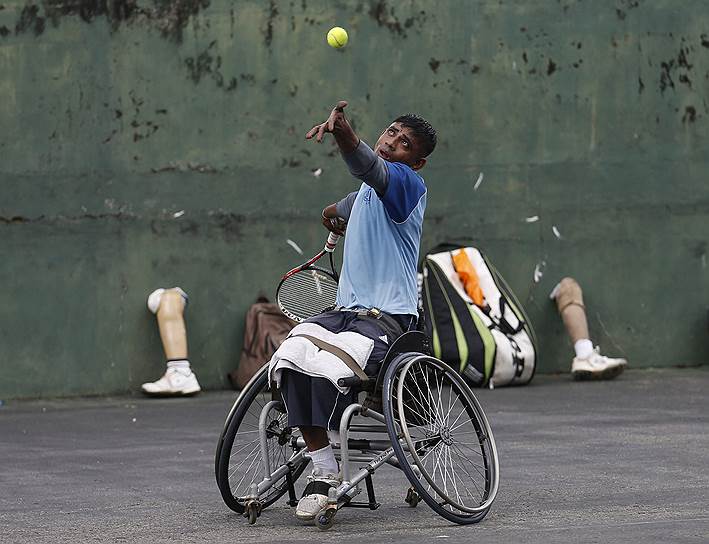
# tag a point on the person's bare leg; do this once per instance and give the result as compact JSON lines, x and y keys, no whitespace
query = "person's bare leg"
{"x":324,"y":475}
{"x":315,"y":437}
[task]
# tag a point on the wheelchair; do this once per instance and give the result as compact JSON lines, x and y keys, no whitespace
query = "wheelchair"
{"x":436,"y":433}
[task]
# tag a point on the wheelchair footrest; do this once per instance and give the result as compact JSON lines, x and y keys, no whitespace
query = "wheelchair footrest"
{"x":353,"y":504}
{"x":372,"y":503}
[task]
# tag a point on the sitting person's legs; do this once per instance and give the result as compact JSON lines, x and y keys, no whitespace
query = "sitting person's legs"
{"x":316,"y":406}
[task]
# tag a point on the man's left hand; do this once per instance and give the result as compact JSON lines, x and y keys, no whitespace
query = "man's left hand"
{"x":336,"y":120}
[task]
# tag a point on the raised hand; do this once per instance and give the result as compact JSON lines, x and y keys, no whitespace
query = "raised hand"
{"x":335,"y":121}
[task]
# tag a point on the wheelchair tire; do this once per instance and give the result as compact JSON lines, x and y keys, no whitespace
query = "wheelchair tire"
{"x":238,"y":461}
{"x":445,"y":437}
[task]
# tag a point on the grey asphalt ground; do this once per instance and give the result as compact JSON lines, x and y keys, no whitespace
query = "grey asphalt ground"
{"x":620,"y":461}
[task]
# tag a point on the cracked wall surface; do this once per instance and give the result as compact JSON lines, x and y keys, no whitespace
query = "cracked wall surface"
{"x":156,"y":143}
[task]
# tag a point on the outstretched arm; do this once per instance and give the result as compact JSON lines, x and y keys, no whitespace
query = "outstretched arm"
{"x":339,"y":127}
{"x":363,"y":163}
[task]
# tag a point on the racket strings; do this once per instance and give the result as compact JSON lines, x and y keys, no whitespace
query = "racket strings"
{"x":307,"y":293}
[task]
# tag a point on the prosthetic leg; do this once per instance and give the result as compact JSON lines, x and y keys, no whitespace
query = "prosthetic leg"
{"x":179,"y":380}
{"x":588,"y":364}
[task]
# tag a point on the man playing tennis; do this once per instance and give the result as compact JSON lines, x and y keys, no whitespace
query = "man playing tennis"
{"x":377,"y":295}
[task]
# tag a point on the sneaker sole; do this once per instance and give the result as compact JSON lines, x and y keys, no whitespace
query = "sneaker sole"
{"x":303,"y":517}
{"x":178,"y":394}
{"x":607,"y":374}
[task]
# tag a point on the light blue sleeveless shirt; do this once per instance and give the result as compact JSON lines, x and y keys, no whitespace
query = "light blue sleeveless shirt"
{"x":382,"y":245}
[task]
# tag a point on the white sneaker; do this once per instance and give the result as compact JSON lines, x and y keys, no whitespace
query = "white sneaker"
{"x":314,"y":499}
{"x":175,"y":383}
{"x":597,"y":367}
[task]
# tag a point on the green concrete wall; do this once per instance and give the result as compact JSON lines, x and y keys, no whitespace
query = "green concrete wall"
{"x":117,"y":114}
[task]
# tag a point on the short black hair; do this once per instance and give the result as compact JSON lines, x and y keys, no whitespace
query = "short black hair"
{"x":423,"y":131}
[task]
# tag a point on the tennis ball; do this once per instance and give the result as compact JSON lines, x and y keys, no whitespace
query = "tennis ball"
{"x":337,"y":37}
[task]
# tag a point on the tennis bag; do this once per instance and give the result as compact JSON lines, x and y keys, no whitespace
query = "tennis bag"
{"x":492,"y":344}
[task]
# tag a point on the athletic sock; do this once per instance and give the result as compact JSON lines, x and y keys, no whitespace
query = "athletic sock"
{"x":583,"y":348}
{"x":182,"y":365}
{"x":324,"y":461}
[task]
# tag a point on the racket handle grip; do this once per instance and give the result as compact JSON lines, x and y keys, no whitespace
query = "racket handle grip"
{"x":331,"y":242}
{"x":350,"y":381}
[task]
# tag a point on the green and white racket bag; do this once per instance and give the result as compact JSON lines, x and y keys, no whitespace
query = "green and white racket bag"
{"x":492,"y":345}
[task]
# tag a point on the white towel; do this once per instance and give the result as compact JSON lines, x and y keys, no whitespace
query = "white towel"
{"x":300,"y":354}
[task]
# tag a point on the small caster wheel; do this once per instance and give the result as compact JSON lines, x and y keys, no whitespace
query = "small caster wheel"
{"x":325,"y":520}
{"x":412,"y":498}
{"x":253,"y":511}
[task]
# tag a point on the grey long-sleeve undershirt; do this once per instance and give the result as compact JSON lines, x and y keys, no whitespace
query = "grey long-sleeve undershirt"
{"x":344,"y":206}
{"x":365,"y":165}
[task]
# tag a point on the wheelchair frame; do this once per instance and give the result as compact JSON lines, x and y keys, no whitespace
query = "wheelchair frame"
{"x":407,"y":350}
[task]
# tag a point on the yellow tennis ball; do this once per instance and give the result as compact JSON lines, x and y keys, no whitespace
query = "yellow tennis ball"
{"x":337,"y":37}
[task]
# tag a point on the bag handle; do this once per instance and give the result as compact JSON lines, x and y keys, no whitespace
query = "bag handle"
{"x":501,"y":322}
{"x":503,"y":319}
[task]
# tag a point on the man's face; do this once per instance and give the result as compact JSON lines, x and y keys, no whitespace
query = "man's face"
{"x":398,"y":144}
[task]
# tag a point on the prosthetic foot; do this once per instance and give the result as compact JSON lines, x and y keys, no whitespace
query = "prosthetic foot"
{"x":597,"y":367}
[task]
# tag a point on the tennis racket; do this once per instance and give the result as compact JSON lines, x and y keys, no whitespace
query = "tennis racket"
{"x":308,"y":290}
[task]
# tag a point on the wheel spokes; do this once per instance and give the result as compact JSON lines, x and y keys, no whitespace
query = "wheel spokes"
{"x":246,"y":462}
{"x":442,"y":435}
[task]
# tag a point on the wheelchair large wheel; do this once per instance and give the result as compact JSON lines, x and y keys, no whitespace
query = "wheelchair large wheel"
{"x":238,"y":460}
{"x":441,"y":437}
